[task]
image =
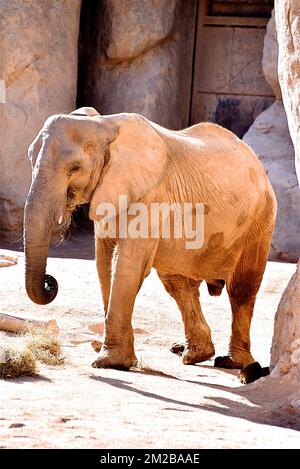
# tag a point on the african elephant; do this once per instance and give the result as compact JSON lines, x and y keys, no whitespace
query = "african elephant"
{"x":85,"y":157}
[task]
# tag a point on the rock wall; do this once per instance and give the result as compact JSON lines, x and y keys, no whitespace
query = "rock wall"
{"x":270,"y":57}
{"x":285,"y":352}
{"x":39,"y":66}
{"x":142,"y":53}
{"x":288,"y":31}
{"x":270,"y":139}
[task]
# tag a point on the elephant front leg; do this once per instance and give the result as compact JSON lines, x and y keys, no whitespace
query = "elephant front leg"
{"x":185,"y":291}
{"x":132,"y":264}
{"x":104,"y":255}
{"x":117,"y":350}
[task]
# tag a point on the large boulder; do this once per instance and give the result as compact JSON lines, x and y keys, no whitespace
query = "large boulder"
{"x":270,"y":139}
{"x":39,"y":67}
{"x":279,"y":393}
{"x":288,"y":31}
{"x":2,"y":92}
{"x":270,"y":57}
{"x":144,"y":23}
{"x":285,"y":352}
{"x":150,"y":71}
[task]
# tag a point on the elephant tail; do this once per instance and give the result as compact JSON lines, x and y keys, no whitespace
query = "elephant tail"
{"x":215,"y":287}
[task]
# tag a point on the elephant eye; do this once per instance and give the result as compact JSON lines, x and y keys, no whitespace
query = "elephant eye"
{"x":74,"y":169}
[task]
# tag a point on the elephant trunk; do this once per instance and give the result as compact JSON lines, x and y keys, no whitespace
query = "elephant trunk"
{"x":38,"y":223}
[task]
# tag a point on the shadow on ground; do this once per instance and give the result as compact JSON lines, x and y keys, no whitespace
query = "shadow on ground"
{"x":257,"y":410}
{"x":79,"y":244}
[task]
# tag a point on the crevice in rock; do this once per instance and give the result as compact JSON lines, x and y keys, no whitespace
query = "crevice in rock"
{"x":106,"y":61}
{"x":12,"y":77}
{"x":92,"y":39}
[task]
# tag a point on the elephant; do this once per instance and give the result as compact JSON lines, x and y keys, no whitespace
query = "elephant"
{"x":85,"y":157}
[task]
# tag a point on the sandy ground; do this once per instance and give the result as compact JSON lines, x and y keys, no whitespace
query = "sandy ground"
{"x":173,"y":406}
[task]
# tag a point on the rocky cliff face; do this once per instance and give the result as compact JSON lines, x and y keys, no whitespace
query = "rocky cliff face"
{"x":288,"y":31}
{"x":39,"y":67}
{"x":285,"y":352}
{"x":270,"y":138}
{"x":136,"y":56}
{"x":270,"y":58}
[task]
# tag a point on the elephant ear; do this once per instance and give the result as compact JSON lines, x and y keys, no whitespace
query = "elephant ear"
{"x":34,"y":148}
{"x":136,"y":162}
{"x":85,"y":111}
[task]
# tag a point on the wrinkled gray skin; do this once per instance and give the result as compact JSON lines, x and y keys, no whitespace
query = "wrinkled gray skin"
{"x":92,"y":158}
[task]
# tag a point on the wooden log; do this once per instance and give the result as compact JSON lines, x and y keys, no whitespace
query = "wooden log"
{"x":7,"y":261}
{"x":14,"y":324}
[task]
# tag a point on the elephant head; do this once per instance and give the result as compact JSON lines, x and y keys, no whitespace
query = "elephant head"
{"x":78,"y":158}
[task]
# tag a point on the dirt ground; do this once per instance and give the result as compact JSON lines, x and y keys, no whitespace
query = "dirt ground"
{"x":172,"y":406}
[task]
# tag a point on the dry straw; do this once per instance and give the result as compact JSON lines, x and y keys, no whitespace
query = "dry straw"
{"x":16,"y":360}
{"x":45,"y":348}
{"x":20,"y":354}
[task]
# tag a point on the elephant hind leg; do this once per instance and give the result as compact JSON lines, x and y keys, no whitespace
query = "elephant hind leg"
{"x":242,"y":290}
{"x":185,"y":291}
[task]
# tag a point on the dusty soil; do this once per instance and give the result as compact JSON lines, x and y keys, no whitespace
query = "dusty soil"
{"x":169,"y":404}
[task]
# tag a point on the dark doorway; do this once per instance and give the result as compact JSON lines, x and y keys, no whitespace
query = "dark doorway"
{"x":229,"y":86}
{"x":91,"y":14}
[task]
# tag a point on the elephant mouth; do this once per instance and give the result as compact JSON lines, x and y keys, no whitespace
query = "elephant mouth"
{"x":74,"y":200}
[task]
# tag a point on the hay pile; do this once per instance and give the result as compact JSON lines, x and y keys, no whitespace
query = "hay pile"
{"x":15,"y":359}
{"x":21,"y":353}
{"x":45,"y":348}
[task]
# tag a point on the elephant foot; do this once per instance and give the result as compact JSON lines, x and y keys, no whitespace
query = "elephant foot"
{"x":252,"y":372}
{"x":234,"y":363}
{"x":196,"y":354}
{"x":115,"y":358}
{"x":192,"y":354}
{"x":227,"y":362}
